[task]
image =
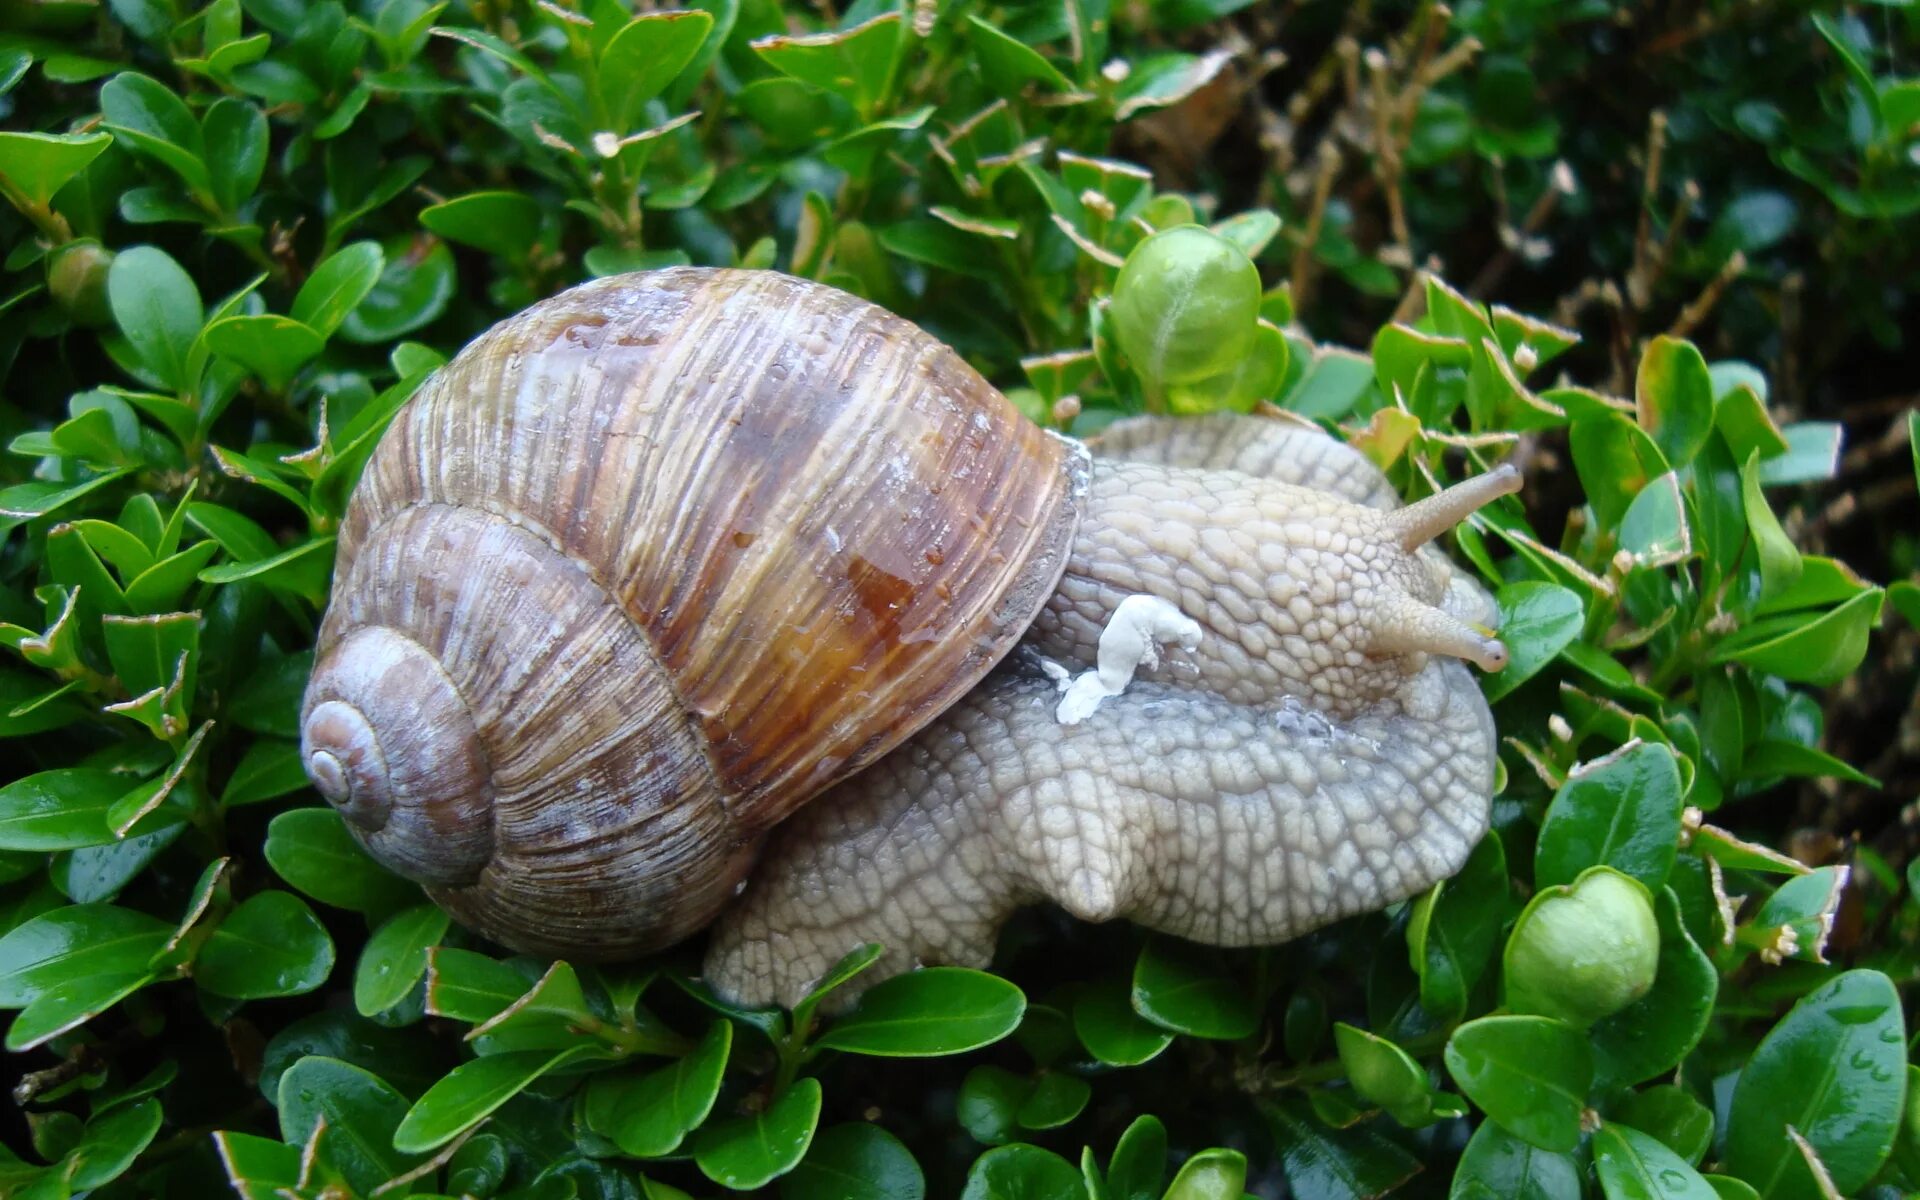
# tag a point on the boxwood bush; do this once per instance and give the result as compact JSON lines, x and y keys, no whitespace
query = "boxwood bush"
{"x":1652,"y":254}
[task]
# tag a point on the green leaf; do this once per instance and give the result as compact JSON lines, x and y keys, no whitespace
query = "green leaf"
{"x":60,"y":809}
{"x":1529,"y":1074}
{"x":932,"y":1011}
{"x":1384,"y":1074}
{"x":1654,"y":529}
{"x":502,"y":223}
{"x":1621,"y":811}
{"x":1139,"y":1162}
{"x":1669,"y":1113}
{"x":1177,"y":987}
{"x":77,"y":942}
{"x":235,"y":136}
{"x":1822,"y":651}
{"x":1105,"y":1022}
{"x":414,"y":289}
{"x":271,"y":347}
{"x":70,"y":1003}
{"x":1615,"y":460}
{"x":851,"y":964}
{"x":36,"y":165}
{"x":1455,"y":927}
{"x":547,"y":1016}
{"x":311,"y":849}
{"x":158,"y":311}
{"x":337,"y":286}
{"x":1008,"y":65}
{"x":1813,"y":454}
{"x":148,"y":118}
{"x":1673,"y":398}
{"x":855,"y":1161}
{"x":649,"y":1115}
{"x":1655,"y":1033}
{"x":1499,"y":1166}
{"x":1056,"y":1099}
{"x":269,"y":769}
{"x":395,"y":957}
{"x":1633,"y":1166}
{"x":1779,"y":560}
{"x":1349,"y":1163}
{"x":258,"y":1167}
{"x":857,"y":64}
{"x":1832,"y":1070}
{"x":1022,"y":1172}
{"x":360,"y":1110}
{"x":752,"y":1151}
{"x":988,"y":1104}
{"x":1216,"y":1174}
{"x":271,"y":945}
{"x":643,"y":58}
{"x":111,"y":1143}
{"x":470,"y":987}
{"x":1537,"y":621}
{"x":473,"y":1090}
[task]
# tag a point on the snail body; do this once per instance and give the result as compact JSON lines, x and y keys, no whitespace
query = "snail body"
{"x":657,"y":562}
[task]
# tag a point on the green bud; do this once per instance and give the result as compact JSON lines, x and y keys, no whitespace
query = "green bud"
{"x":77,"y":277}
{"x":1185,"y":307}
{"x":1583,"y":951}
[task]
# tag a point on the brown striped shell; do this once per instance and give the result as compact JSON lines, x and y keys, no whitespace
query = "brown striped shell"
{"x":646,"y":567}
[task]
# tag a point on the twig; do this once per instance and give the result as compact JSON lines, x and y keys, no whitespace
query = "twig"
{"x":1650,"y":186}
{"x":1696,"y":312}
{"x":1303,"y":260}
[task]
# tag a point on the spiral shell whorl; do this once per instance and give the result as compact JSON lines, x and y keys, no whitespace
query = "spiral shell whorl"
{"x":389,"y":742}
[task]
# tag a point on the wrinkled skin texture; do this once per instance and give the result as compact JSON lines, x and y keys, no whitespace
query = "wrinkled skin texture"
{"x":1321,"y":752}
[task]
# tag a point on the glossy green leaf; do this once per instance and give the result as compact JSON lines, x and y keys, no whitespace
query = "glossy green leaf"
{"x":1821,"y":651}
{"x":1778,"y":559}
{"x":1021,"y":1172}
{"x":1106,"y":1023}
{"x":312,"y":849}
{"x":748,"y":1152}
{"x":1669,"y":1114}
{"x":272,"y":347}
{"x":643,"y":58}
{"x":1621,"y":811}
{"x":337,"y":286}
{"x":1537,"y":621}
{"x":1615,"y":460}
{"x":271,"y":945}
{"x":932,"y":1011}
{"x":59,"y":810}
{"x":144,"y":115}
{"x":1499,"y":1166}
{"x":395,"y":957}
{"x":1351,"y":1162}
{"x":1833,"y":1070}
{"x":111,"y":1143}
{"x":472,"y":1091}
{"x":1216,"y":1174}
{"x":1178,"y":988}
{"x":855,"y":1161}
{"x":1633,"y":1166}
{"x":857,"y":64}
{"x":76,"y":942}
{"x":649,"y":1115}
{"x":36,"y":165}
{"x":1673,"y":397}
{"x":157,"y":308}
{"x":1529,"y":1074}
{"x":360,"y":1111}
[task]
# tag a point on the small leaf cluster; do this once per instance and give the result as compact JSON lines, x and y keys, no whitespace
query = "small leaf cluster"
{"x":238,"y":235}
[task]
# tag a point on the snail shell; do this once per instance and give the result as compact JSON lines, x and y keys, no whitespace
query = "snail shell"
{"x":645,"y":568}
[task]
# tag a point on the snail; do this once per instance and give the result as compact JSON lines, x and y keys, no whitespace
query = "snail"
{"x":697,"y":584}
